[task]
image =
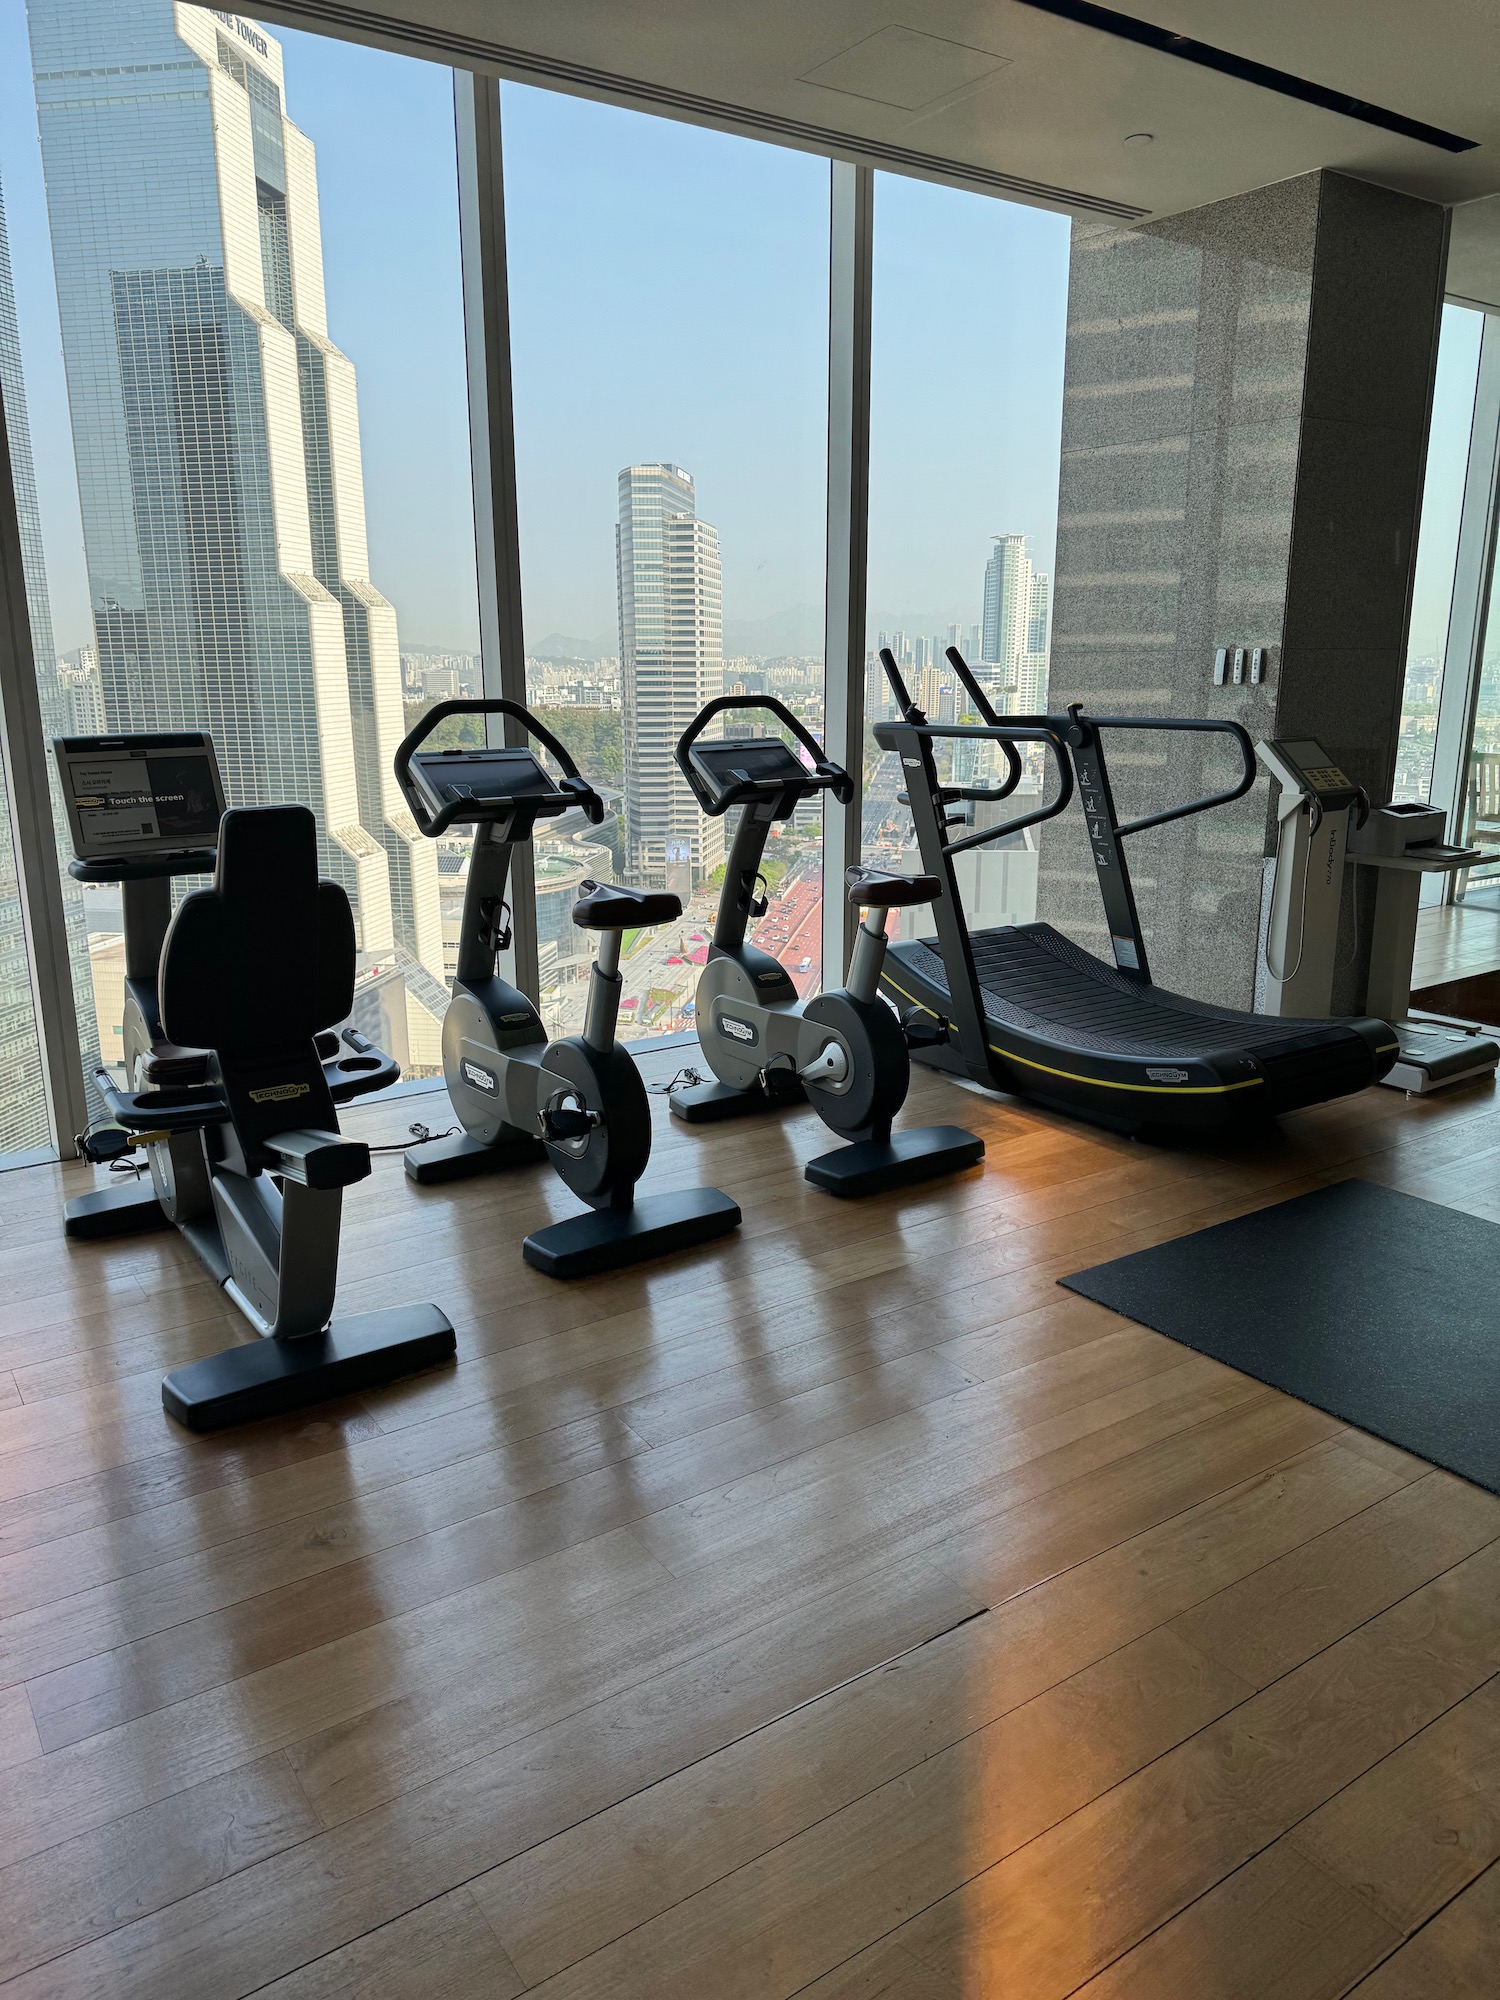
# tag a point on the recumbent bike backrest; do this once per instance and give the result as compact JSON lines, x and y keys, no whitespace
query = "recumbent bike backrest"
{"x":257,"y":966}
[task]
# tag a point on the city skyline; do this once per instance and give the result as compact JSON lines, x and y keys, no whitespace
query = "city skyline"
{"x":745,"y":227}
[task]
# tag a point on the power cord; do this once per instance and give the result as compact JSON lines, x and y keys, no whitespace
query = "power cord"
{"x":418,"y":1135}
{"x":686,"y":1078}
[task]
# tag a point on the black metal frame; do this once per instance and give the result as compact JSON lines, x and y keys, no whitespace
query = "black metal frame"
{"x":574,"y":789}
{"x":912,"y":738}
{"x":763,"y":805}
{"x":1077,"y":743}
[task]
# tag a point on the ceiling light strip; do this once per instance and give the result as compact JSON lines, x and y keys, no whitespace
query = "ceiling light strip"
{"x":469,"y":52}
{"x":1150,"y":36}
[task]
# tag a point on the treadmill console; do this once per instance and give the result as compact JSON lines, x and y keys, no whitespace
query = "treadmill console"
{"x":1307,"y":769}
{"x":485,"y":781}
{"x":751,"y":760}
{"x":137,"y":797}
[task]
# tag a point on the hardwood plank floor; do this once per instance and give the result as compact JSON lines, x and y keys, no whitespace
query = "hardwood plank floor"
{"x":840,"y":1610}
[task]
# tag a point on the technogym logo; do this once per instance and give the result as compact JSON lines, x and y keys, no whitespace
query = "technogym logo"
{"x":481,"y":1078}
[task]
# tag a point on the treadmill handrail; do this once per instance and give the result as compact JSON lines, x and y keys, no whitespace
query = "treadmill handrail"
{"x":1184,"y":724}
{"x":909,"y":710}
{"x":1003,"y":732}
{"x":986,"y":710}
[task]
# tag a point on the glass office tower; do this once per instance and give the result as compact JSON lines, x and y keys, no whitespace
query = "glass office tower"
{"x":671,"y":663}
{"x":216,"y":431}
{"x":23,"y":1104}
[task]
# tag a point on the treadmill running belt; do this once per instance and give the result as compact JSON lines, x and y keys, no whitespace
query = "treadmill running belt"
{"x":1034,"y":978}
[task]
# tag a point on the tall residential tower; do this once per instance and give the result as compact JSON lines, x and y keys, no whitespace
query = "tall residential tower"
{"x":1017,"y":618}
{"x":216,"y":431}
{"x":671,"y":663}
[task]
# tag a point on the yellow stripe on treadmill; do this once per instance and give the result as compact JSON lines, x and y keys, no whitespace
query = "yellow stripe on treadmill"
{"x":1098,"y":1082}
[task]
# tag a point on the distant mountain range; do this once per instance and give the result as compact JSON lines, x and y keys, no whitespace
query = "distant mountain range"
{"x":563,"y":646}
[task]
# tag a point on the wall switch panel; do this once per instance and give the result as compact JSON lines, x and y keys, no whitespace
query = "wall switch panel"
{"x":1237,"y":667}
{"x":1221,"y":666}
{"x":1258,"y":664}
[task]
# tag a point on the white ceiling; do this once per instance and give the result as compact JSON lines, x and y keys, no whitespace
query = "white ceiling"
{"x":1000,"y":93}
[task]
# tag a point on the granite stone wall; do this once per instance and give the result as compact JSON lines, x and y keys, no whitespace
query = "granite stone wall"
{"x":1245,"y":416}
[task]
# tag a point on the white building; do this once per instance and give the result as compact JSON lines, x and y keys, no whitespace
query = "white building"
{"x":671,"y":663}
{"x":1016,"y":634}
{"x":1007,"y":608}
{"x":216,"y":432}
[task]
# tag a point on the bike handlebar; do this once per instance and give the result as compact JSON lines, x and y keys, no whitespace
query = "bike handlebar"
{"x":574,"y":786}
{"x":824,"y":776}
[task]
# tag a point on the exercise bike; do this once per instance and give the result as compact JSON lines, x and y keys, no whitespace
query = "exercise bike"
{"x":579,"y":1102}
{"x":843,"y":1051}
{"x":233,"y":1073}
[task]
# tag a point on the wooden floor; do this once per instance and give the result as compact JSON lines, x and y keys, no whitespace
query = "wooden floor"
{"x":1455,"y":941}
{"x":841,"y":1611}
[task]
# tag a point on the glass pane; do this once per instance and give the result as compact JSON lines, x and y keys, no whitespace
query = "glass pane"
{"x":262,"y":341}
{"x":669,"y":327}
{"x":49,"y":522}
{"x":965,"y":430}
{"x":23,"y":1102}
{"x":1480,"y":889}
{"x":1437,"y":547}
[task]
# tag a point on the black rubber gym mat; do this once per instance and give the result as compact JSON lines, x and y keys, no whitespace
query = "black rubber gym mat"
{"x":1377,"y":1307}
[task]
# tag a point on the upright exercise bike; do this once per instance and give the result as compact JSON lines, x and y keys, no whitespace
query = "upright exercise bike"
{"x":233,"y":1072}
{"x":579,"y":1102}
{"x":844,"y":1051}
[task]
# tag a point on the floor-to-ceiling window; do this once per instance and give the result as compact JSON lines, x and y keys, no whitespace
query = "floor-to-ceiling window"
{"x":969,"y":323}
{"x":1437,"y":548}
{"x":669,"y":343}
{"x":236,"y":270}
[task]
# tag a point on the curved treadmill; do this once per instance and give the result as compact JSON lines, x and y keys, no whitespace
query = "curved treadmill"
{"x":1022,"y":1009}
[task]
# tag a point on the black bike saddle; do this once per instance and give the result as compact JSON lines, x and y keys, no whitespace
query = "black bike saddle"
{"x":884,"y":890}
{"x":610,"y":906}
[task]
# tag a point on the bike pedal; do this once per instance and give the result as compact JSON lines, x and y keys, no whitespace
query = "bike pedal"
{"x":924,"y":1034}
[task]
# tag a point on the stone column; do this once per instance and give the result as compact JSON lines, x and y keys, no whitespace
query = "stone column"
{"x":1245,"y":416}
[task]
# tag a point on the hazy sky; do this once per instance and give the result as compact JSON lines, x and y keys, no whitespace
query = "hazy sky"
{"x":669,"y":300}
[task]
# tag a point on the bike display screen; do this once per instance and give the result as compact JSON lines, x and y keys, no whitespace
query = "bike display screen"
{"x":761,"y":759}
{"x":131,"y":796}
{"x":489,"y":777}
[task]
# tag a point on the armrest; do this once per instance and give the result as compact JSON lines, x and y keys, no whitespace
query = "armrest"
{"x":181,"y":1109}
{"x":319,"y":1159}
{"x":355,"y":1075}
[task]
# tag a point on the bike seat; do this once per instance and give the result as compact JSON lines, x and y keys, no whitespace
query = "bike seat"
{"x":610,"y":906}
{"x":879,"y":889}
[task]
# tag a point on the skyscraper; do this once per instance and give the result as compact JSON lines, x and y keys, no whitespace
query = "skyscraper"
{"x":671,"y":663}
{"x":1007,"y":608}
{"x":216,"y":432}
{"x":23,"y":1114}
{"x":1031,"y":671}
